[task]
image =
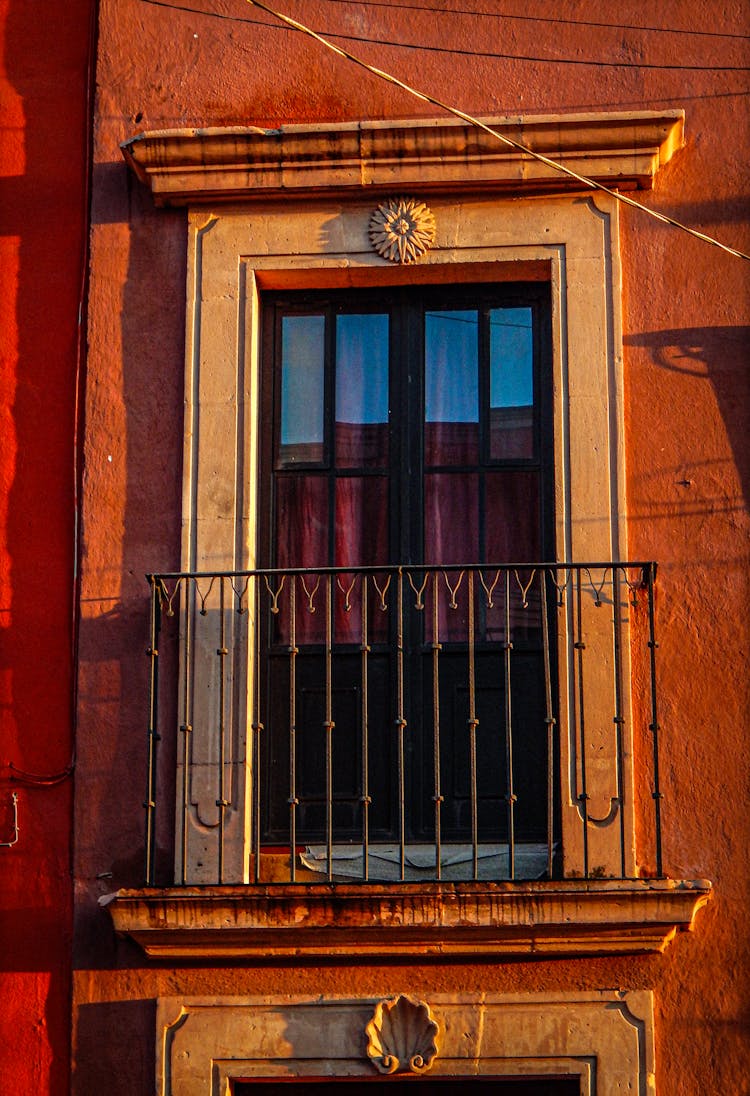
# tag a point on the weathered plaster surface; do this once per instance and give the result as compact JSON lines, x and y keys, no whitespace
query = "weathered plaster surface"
{"x":43,"y":141}
{"x":687,"y":449}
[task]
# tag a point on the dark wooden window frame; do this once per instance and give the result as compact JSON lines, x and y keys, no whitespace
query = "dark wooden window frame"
{"x":407,"y":308}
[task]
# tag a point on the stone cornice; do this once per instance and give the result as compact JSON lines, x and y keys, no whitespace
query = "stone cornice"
{"x":572,"y":917}
{"x":428,"y":155}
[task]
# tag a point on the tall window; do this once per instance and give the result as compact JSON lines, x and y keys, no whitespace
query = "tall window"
{"x":405,"y":427}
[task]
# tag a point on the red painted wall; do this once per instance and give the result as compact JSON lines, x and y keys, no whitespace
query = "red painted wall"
{"x":43,"y":222}
{"x":688,"y":449}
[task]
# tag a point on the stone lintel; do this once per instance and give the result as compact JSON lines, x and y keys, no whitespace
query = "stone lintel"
{"x":572,"y":917}
{"x":428,"y":155}
{"x":603,"y":1040}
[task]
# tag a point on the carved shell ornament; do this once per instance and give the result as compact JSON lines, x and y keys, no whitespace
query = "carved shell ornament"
{"x":402,"y":229}
{"x":402,"y":1036}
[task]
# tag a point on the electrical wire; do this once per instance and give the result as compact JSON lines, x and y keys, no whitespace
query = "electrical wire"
{"x":425,"y":98}
{"x":512,"y":16}
{"x":490,"y":54}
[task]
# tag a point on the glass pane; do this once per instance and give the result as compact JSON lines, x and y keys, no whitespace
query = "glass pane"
{"x":512,"y":501}
{"x":361,"y":539}
{"x":511,"y":384}
{"x":301,"y":521}
{"x":361,"y":536}
{"x":513,"y":536}
{"x":302,"y":541}
{"x":451,"y":387}
{"x":302,"y":431}
{"x":451,"y":535}
{"x":451,"y":517}
{"x":362,"y":391}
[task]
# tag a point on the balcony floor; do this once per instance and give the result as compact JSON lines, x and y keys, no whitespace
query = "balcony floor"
{"x":550,"y":918}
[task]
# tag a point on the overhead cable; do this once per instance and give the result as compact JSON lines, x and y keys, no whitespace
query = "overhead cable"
{"x":471,"y":120}
{"x":513,"y":16}
{"x":490,"y":54}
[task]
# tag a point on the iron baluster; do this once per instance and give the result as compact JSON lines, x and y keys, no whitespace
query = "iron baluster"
{"x":222,"y":803}
{"x":650,"y":575}
{"x":153,"y":720}
{"x":436,"y":649}
{"x":293,"y":798}
{"x":328,"y":724}
{"x":187,"y":726}
{"x":510,"y":793}
{"x":619,"y":719}
{"x":580,"y":647}
{"x":257,"y":728}
{"x":401,"y":725}
{"x":365,"y":651}
{"x":549,"y":720}
{"x":472,"y":724}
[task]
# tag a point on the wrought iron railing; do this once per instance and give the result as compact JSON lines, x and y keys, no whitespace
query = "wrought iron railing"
{"x":400,"y":723}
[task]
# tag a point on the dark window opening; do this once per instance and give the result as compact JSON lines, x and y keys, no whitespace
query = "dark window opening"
{"x":427,"y":1086}
{"x":406,"y":429}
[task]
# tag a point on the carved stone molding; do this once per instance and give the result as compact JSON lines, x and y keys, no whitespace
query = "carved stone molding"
{"x":402,"y":1036}
{"x":570,"y":917}
{"x":186,"y":166}
{"x":402,"y":229}
{"x":603,"y":1039}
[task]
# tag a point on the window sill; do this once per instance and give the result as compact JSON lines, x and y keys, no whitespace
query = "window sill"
{"x":568,"y":917}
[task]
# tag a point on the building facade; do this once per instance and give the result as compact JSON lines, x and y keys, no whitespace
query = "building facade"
{"x":413,"y":553}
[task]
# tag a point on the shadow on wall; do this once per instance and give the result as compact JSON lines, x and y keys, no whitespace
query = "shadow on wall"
{"x":43,"y":215}
{"x":132,"y":527}
{"x":718,"y":355}
{"x":119,"y":1066}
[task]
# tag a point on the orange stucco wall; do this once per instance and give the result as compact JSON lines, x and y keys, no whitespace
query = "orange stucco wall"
{"x":43,"y":146}
{"x":688,"y":449}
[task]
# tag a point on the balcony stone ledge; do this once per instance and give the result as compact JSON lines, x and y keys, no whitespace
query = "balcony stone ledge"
{"x":571,"y":917}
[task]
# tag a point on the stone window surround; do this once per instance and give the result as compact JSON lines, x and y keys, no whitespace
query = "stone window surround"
{"x":603,"y":1038}
{"x":571,"y":243}
{"x":301,"y":228}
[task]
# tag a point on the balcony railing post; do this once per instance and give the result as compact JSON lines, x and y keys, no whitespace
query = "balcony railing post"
{"x":510,"y":802}
{"x":153,"y":724}
{"x":293,"y":798}
{"x":400,"y":723}
{"x":328,"y":724}
{"x":650,"y":575}
{"x":472,"y":723}
{"x":222,"y":802}
{"x":619,"y":718}
{"x":580,"y":647}
{"x":436,"y":649}
{"x":365,"y":795}
{"x":549,"y":720}
{"x":259,"y":630}
{"x":186,"y":726}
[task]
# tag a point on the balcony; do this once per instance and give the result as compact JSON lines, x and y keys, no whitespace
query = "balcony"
{"x":437,"y":759}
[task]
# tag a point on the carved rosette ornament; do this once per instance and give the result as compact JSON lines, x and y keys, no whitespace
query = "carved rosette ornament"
{"x":402,"y":1036}
{"x":402,"y":229}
